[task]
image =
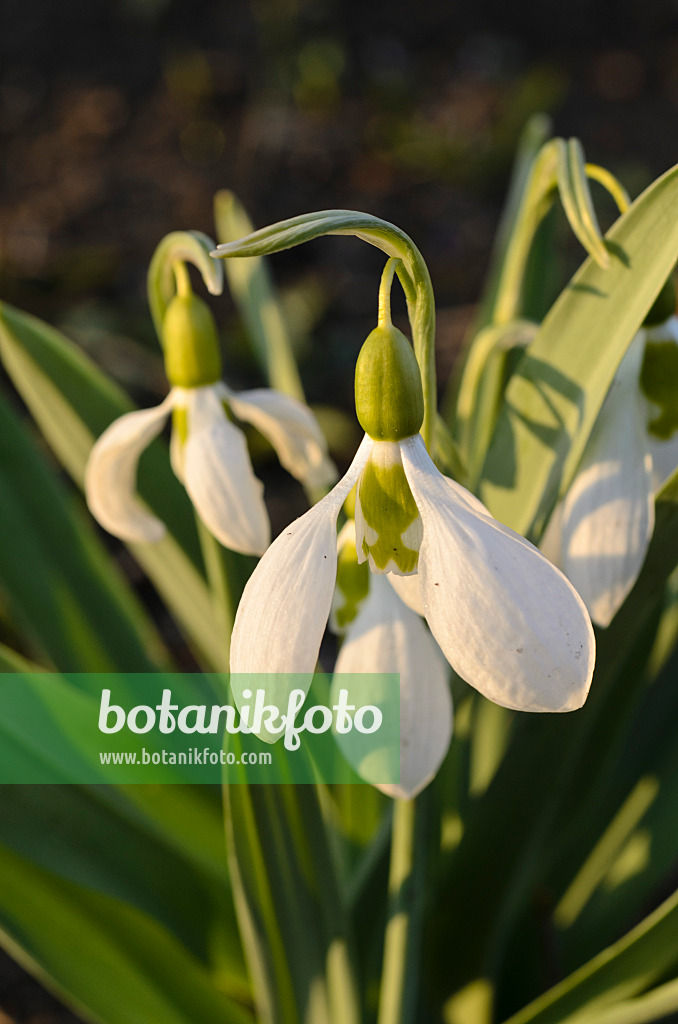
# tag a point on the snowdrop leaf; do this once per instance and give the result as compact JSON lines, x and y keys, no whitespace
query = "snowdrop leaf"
{"x":106,"y":958}
{"x":62,"y":591}
{"x":616,"y":974}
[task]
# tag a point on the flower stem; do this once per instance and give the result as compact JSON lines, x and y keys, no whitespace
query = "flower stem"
{"x":384,"y":318}
{"x":182,"y":279}
{"x":400,"y":968}
{"x":216,"y":566}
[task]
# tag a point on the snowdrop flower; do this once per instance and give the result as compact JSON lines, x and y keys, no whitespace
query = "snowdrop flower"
{"x":382,"y":634}
{"x":600,"y":531}
{"x":208,"y":451}
{"x":507,"y":621}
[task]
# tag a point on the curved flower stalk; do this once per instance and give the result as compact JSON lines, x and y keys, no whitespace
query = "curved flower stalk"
{"x":600,"y":531}
{"x":208,"y":451}
{"x":507,"y":621}
{"x":382,"y":634}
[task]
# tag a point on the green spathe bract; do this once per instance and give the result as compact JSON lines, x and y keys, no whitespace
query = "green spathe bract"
{"x":388,"y":396}
{"x":192,"y":357}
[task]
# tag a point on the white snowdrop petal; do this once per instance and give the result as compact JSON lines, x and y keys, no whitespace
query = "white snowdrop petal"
{"x":472,"y":500}
{"x":408,"y":590}
{"x":219,"y":478}
{"x":407,"y":587}
{"x":386,"y":636}
{"x":293,"y":431}
{"x":608,"y":512}
{"x":284,"y":608}
{"x":507,"y":621}
{"x":110,"y":477}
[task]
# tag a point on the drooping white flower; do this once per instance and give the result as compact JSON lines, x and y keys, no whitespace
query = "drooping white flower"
{"x":600,"y":535}
{"x":208,"y":451}
{"x":383,"y":635}
{"x":507,"y":621}
{"x":600,"y":531}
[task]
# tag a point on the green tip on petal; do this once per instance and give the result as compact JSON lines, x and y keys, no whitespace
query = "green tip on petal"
{"x":190,"y":342}
{"x":390,"y":534}
{"x":389,"y":399}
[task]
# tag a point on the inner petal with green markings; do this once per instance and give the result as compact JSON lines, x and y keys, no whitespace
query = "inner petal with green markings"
{"x":388,"y":527}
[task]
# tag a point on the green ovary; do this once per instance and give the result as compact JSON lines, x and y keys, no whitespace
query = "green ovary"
{"x":388,"y":510}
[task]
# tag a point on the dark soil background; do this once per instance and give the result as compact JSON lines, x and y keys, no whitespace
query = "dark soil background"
{"x":119,"y":121}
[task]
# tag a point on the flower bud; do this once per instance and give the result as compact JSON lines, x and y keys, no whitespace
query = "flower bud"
{"x":191,"y":345}
{"x":388,"y":395}
{"x":663,"y":306}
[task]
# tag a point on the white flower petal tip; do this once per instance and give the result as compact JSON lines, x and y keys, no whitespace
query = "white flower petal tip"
{"x":110,"y":477}
{"x":293,"y":431}
{"x":608,"y":512}
{"x":386,"y":636}
{"x":219,"y":478}
{"x":507,"y":620}
{"x":284,"y":608}
{"x":278,"y":689}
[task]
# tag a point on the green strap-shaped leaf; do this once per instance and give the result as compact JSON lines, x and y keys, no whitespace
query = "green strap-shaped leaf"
{"x":482,"y":386}
{"x":554,"y":397}
{"x":111,"y":962}
{"x":63,"y":592}
{"x":623,"y":970}
{"x":289,"y":908}
{"x":660,"y":1002}
{"x":532,"y":139}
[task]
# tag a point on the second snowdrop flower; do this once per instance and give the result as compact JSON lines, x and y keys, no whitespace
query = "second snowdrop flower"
{"x":208,"y":451}
{"x":600,"y":532}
